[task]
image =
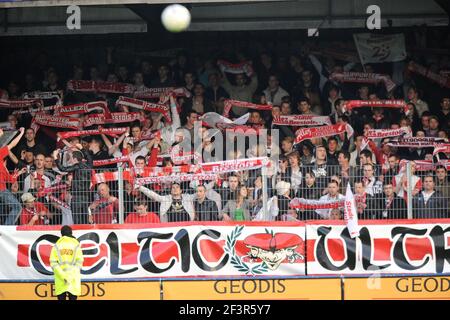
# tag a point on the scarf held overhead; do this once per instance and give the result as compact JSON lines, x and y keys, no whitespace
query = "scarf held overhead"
{"x":324,"y":131}
{"x":229,"y":103}
{"x":361,"y":77}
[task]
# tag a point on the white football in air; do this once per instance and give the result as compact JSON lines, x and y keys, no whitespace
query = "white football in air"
{"x":176,"y":18}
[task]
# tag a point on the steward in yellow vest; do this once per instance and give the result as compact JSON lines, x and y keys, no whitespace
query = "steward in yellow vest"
{"x":66,"y":260}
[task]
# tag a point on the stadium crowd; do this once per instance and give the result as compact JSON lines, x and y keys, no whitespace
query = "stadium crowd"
{"x":52,"y":178}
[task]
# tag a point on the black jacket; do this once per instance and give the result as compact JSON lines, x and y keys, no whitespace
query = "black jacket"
{"x":436,"y":206}
{"x":377,"y":208}
{"x":81,"y":172}
{"x":206,"y":211}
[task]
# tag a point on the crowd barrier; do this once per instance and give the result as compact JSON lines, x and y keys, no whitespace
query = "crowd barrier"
{"x":343,"y":288}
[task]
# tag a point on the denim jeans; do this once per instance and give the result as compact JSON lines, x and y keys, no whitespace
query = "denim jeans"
{"x":8,"y":199}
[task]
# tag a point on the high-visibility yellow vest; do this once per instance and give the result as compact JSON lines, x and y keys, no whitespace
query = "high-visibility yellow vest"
{"x":66,"y":260}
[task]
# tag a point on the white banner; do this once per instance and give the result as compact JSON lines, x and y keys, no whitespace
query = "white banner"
{"x":394,"y":247}
{"x":160,"y":250}
{"x":350,"y":213}
{"x":378,"y":48}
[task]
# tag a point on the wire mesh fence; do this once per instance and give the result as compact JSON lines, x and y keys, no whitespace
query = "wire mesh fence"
{"x":287,"y":193}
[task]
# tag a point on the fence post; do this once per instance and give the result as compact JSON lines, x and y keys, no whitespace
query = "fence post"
{"x":264,"y":192}
{"x":409,"y":190}
{"x":121,"y":207}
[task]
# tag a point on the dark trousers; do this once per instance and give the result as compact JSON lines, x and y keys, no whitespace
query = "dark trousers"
{"x":80,"y":210}
{"x":66,"y":296}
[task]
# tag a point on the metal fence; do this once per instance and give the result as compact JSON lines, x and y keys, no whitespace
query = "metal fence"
{"x":114,"y":196}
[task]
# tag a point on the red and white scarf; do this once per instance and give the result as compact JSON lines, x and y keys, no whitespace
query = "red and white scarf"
{"x":44,"y":191}
{"x":144,"y":105}
{"x":148,"y":135}
{"x":229,"y":103}
{"x":114,"y":132}
{"x":164,"y":93}
{"x":177,"y":178}
{"x":106,"y":162}
{"x":237,"y":68}
{"x":45,"y":95}
{"x":415,"y":142}
{"x":308,"y":204}
{"x":116,"y":117}
{"x":61,"y":203}
{"x":339,"y":54}
{"x":441,"y":148}
{"x":361,"y":77}
{"x":427,"y":73}
{"x":325,"y":131}
{"x":33,"y":111}
{"x":385,"y":133}
{"x":235,"y":165}
{"x":425,"y":165}
{"x":396,"y":104}
{"x":82,"y":108}
{"x":301,"y":120}
{"x":56,"y":122}
{"x":104,"y":177}
{"x":99,"y":86}
{"x":161,"y":171}
{"x":26,"y":103}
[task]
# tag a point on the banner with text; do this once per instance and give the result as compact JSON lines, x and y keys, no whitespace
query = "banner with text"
{"x":161,"y":250}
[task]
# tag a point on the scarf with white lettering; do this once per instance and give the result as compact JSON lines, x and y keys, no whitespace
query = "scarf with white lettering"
{"x":106,"y":162}
{"x":116,"y":117}
{"x":161,"y":171}
{"x":48,"y":120}
{"x":82,"y":108}
{"x":237,"y":68}
{"x":324,"y":131}
{"x":235,"y":165}
{"x":309,"y":204}
{"x":161,"y":93}
{"x":361,"y":77}
{"x":177,"y":178}
{"x":113,"y":132}
{"x":25,"y":103}
{"x":46,"y":95}
{"x":144,"y":105}
{"x":385,"y":133}
{"x":443,"y":81}
{"x":229,"y":103}
{"x":415,"y":142}
{"x":100,"y":86}
{"x":33,"y":111}
{"x":396,"y":104}
{"x":425,"y":165}
{"x":301,"y":120}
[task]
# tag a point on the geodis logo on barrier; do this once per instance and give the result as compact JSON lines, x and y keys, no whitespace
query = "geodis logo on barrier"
{"x":420,"y":285}
{"x":92,"y":289}
{"x":160,"y":253}
{"x":250,"y":286}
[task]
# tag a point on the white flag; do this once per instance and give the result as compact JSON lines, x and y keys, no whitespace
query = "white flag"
{"x":378,"y":48}
{"x":350,"y":213}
